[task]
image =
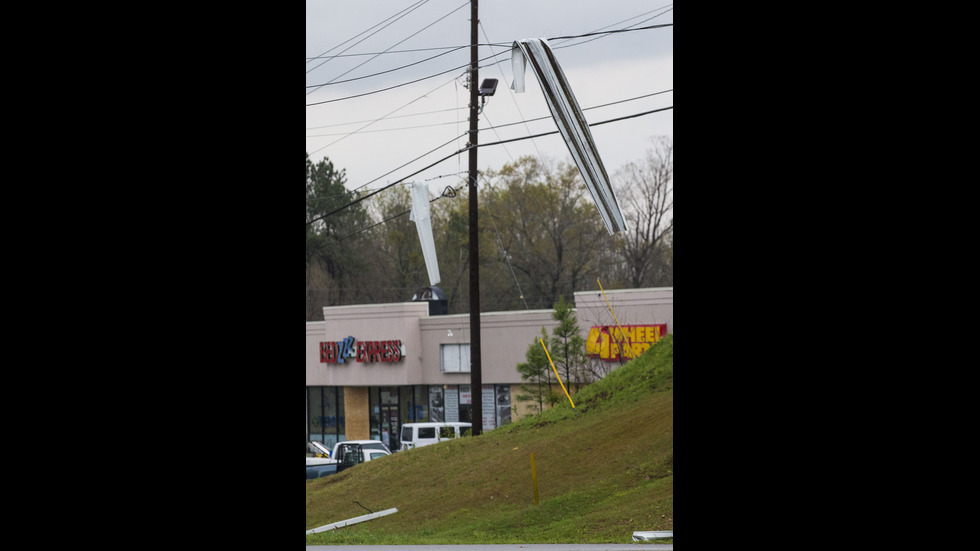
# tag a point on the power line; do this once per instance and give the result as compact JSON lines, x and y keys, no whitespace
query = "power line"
{"x":395,"y":117}
{"x":390,"y":113}
{"x":557,"y":47}
{"x":383,"y":130}
{"x":585,"y":109}
{"x":617,"y":119}
{"x":463,"y":150}
{"x":512,"y":97}
{"x":397,"y":43}
{"x":399,"y":85}
{"x":379,"y":190}
{"x":413,"y":50}
{"x":382,"y":72}
{"x":390,"y":218}
{"x":612,"y":32}
{"x":410,"y":162}
{"x":400,"y":14}
{"x":522,"y":121}
{"x":500,"y":44}
{"x":481,"y":60}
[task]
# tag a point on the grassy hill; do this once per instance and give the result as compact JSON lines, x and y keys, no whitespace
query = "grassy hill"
{"x":604,"y":470}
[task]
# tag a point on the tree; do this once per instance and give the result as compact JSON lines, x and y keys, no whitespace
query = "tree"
{"x":550,"y":233}
{"x":396,"y":242}
{"x":645,"y":192}
{"x":567,"y":346}
{"x":536,"y":373}
{"x":330,"y":268}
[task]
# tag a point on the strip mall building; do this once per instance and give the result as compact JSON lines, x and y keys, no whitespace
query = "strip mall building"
{"x":372,"y":368}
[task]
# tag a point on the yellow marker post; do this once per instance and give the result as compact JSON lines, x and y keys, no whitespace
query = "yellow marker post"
{"x":534,"y":478}
{"x":556,"y":372}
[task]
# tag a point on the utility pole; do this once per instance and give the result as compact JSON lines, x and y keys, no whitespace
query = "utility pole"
{"x":476,"y":376}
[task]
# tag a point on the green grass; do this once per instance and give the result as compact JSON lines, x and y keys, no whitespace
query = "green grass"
{"x":605,"y":470}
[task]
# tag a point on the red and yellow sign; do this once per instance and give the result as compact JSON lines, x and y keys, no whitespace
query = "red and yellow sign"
{"x":339,"y":352}
{"x":608,"y":342}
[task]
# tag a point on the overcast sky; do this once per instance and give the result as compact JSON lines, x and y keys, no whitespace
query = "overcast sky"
{"x":419,"y":117}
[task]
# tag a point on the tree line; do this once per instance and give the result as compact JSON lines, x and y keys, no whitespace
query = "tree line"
{"x":541,"y":237}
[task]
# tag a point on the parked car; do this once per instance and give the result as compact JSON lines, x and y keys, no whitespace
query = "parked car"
{"x":345,"y":455}
{"x":416,"y":435}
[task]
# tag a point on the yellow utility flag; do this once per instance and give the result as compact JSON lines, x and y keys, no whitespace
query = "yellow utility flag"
{"x":556,"y":372}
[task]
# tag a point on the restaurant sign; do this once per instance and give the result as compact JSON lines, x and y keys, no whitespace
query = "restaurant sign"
{"x":609,"y":342}
{"x":349,"y":349}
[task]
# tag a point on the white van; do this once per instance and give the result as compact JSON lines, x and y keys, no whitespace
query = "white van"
{"x":416,"y":435}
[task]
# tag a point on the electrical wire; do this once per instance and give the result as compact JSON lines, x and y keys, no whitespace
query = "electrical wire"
{"x":600,"y":33}
{"x":400,"y":85}
{"x":328,"y":83}
{"x":481,"y":60}
{"x":522,"y":121}
{"x":464,"y":4}
{"x":402,"y":13}
{"x":383,"y":130}
{"x":395,"y":117}
{"x":559,"y":45}
{"x":390,"y":218}
{"x":413,"y":50}
{"x":467,"y":148}
{"x":501,"y":44}
{"x":501,"y":243}
{"x":381,"y":118}
{"x":617,"y":119}
{"x":514,"y":99}
{"x":584,"y":109}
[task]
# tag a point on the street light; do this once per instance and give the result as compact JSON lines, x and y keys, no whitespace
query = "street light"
{"x":488,"y":87}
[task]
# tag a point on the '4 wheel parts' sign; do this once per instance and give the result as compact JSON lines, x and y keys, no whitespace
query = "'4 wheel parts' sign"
{"x":612,"y":342}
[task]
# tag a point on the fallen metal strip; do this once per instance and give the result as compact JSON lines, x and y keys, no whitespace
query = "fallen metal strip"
{"x":354,"y":520}
{"x":647,"y":536}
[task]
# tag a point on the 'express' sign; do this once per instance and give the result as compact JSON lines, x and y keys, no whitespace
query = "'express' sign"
{"x":608,"y":342}
{"x":361,"y":351}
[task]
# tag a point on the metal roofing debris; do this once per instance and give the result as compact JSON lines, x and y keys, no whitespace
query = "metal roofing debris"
{"x":354,"y":520}
{"x":647,"y":536}
{"x":423,"y":223}
{"x":571,"y":123}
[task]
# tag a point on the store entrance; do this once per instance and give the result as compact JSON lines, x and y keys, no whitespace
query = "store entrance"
{"x":390,"y":427}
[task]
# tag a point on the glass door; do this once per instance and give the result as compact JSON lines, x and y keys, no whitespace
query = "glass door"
{"x":389,"y":417}
{"x":390,"y":427}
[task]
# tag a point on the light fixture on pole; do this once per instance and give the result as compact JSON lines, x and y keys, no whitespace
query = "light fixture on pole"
{"x":487,"y":88}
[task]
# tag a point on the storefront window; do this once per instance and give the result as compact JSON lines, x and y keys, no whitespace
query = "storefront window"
{"x":375,"y":413}
{"x":326,"y":414}
{"x":437,"y":404}
{"x":389,"y":395}
{"x":455,"y":358}
{"x":503,"y":405}
{"x":452,"y":404}
{"x":340,"y":420}
{"x":314,"y":404}
{"x":328,"y":419}
{"x":407,"y":407}
{"x":465,"y":404}
{"x":418,"y":406}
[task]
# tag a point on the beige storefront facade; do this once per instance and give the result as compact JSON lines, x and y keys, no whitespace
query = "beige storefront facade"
{"x":372,"y":368}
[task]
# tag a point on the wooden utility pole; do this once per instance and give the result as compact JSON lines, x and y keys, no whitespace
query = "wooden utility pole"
{"x":476,"y":376}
